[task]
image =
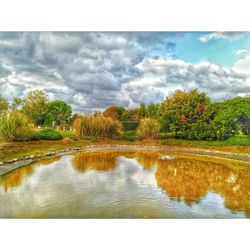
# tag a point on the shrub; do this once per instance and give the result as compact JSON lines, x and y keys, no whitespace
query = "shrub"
{"x":15,"y":127}
{"x":48,"y":134}
{"x":170,"y":135}
{"x":207,"y":131}
{"x":130,"y":136}
{"x":130,"y":125}
{"x":98,"y":126}
{"x":149,"y":128}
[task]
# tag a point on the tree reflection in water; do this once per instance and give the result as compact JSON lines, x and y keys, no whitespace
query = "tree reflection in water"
{"x":191,"y":179}
{"x":181,"y":178}
{"x":99,"y":161}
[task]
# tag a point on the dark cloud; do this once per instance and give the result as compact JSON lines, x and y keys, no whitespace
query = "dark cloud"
{"x":95,"y":70}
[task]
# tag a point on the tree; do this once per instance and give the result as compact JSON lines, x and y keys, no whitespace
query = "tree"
{"x":183,"y":108}
{"x":3,"y":105}
{"x":60,"y":111}
{"x":35,"y":105}
{"x":153,"y":110}
{"x":115,"y":112}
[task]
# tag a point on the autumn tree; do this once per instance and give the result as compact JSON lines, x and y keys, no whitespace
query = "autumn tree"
{"x":183,"y":108}
{"x":115,"y":112}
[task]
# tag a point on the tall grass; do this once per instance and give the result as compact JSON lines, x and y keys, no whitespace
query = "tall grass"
{"x":15,"y":127}
{"x":149,"y":128}
{"x":98,"y":126}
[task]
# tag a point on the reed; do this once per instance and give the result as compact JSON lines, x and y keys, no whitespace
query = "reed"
{"x":16,"y":127}
{"x":149,"y":128}
{"x":98,"y":126}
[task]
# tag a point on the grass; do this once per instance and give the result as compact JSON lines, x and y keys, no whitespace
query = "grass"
{"x":232,"y":141}
{"x":68,"y":134}
{"x":11,"y":150}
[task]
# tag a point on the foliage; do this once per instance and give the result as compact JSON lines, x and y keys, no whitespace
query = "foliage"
{"x":15,"y":127}
{"x":130,"y":125}
{"x":35,"y":106}
{"x":60,"y":111}
{"x":48,"y":134}
{"x":3,"y":105}
{"x":149,"y":128}
{"x":115,"y":112}
{"x":130,"y":135}
{"x":153,"y":110}
{"x":236,"y":111}
{"x":49,"y":120}
{"x":183,"y":108}
{"x":207,"y":131}
{"x":231,"y":109}
{"x":98,"y":126}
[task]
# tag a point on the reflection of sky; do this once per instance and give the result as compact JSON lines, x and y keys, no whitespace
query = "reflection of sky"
{"x":58,"y":190}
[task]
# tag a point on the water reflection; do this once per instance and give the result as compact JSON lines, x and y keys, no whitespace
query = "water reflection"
{"x":99,"y":161}
{"x":192,"y":179}
{"x":127,"y":184}
{"x":16,"y":177}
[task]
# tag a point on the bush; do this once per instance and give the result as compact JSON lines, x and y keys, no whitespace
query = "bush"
{"x":48,"y":134}
{"x":170,"y":135}
{"x":98,"y":126}
{"x":207,"y":131}
{"x":130,"y":125}
{"x":130,"y":136}
{"x":149,"y":128}
{"x":15,"y":127}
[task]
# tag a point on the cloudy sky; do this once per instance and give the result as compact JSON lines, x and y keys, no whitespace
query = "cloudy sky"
{"x":92,"y":71}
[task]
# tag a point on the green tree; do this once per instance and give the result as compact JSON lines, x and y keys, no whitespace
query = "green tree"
{"x":49,"y":120}
{"x":3,"y":105}
{"x":35,"y":105}
{"x":60,"y":111}
{"x":184,"y":108}
{"x":153,"y":110}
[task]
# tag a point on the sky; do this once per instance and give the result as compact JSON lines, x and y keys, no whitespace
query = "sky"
{"x":92,"y":70}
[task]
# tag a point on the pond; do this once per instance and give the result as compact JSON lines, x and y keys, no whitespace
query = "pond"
{"x":127,"y":184}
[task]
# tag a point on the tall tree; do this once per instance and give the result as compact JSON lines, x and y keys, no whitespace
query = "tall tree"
{"x":35,"y":105}
{"x":60,"y":110}
{"x":183,"y":108}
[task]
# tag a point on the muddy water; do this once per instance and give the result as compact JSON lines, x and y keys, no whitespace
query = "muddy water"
{"x":127,"y":184}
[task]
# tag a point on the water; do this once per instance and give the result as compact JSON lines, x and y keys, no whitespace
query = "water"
{"x":127,"y":185}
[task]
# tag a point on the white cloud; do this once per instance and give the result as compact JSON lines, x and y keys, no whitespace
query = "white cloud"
{"x":160,"y":76}
{"x":222,"y":35}
{"x":243,"y":65}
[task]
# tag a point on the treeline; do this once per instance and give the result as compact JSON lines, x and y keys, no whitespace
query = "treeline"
{"x":188,"y":115}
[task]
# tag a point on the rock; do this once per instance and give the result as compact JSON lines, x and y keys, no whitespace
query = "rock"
{"x":9,"y":161}
{"x":167,"y":157}
{"x":1,"y":163}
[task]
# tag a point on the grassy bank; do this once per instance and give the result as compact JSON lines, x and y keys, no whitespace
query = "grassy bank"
{"x":10,"y":150}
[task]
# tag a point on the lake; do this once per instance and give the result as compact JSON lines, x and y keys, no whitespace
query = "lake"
{"x":127,"y":184}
